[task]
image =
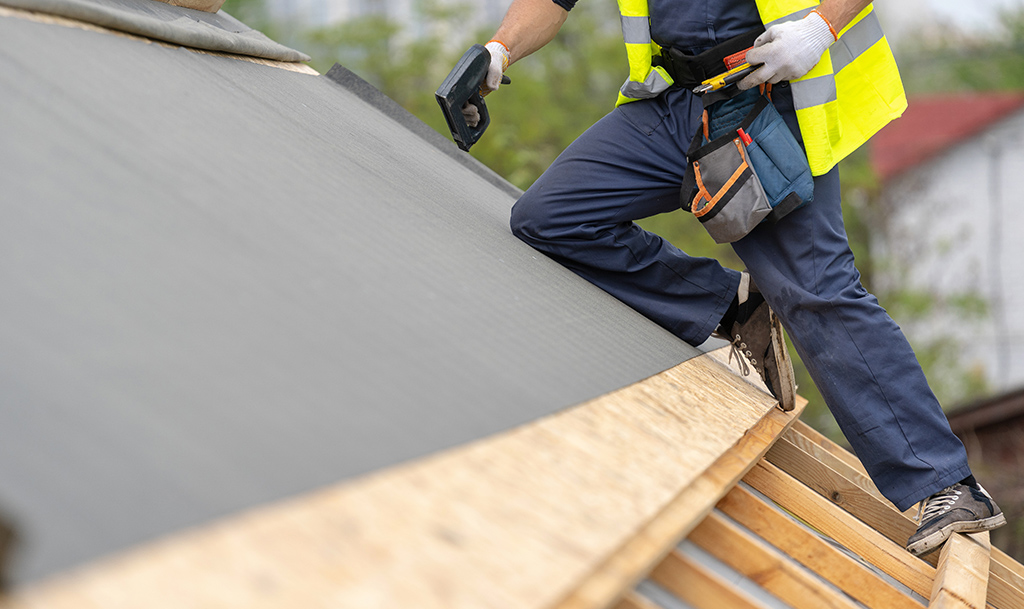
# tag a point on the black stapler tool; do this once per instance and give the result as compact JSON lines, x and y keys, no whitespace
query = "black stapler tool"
{"x":461,"y":86}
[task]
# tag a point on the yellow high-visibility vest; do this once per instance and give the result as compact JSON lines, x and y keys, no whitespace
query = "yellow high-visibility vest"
{"x":854,"y":90}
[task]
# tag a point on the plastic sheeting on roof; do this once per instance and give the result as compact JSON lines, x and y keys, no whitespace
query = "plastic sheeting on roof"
{"x":204,"y":311}
{"x":152,"y":19}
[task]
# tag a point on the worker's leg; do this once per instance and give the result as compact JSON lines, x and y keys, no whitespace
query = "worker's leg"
{"x":581,"y":211}
{"x":857,"y":356}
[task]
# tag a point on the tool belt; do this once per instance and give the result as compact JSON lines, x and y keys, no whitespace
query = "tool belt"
{"x":745,"y":167}
{"x":689,"y":71}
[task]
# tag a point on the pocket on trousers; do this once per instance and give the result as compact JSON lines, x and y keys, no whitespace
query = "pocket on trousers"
{"x":645,"y":114}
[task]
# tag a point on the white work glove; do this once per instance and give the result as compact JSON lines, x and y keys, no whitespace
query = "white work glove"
{"x":788,"y":50}
{"x":499,"y":63}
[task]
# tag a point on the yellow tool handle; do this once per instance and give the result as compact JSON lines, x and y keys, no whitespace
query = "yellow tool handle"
{"x":725,"y":78}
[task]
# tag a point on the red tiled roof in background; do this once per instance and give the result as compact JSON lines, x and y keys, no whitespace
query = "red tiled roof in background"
{"x":935,"y":123}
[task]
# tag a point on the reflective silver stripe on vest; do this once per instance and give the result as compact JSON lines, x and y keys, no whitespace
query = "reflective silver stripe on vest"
{"x":852,"y":44}
{"x":855,"y":41}
{"x":636,"y":30}
{"x":814,"y":92}
{"x":652,"y":87}
{"x":800,"y":14}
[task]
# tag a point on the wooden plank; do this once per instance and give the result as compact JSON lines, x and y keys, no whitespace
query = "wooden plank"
{"x":1003,"y":592}
{"x":841,"y":466}
{"x":516,"y":520}
{"x":813,"y":552}
{"x":635,"y":601}
{"x":1006,"y":582}
{"x":765,"y":565}
{"x":1009,"y":566}
{"x":961,"y":580}
{"x":823,"y":442}
{"x":699,"y":586}
{"x":830,"y":519}
{"x":840,"y":490}
{"x":639,"y":555}
{"x":838,"y":458}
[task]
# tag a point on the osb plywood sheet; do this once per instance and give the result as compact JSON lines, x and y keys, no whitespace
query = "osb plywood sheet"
{"x":515,"y":520}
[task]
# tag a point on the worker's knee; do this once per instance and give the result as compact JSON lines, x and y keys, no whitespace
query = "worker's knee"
{"x":530,"y":222}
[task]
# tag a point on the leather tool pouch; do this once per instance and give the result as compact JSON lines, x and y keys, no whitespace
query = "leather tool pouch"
{"x":745,"y":167}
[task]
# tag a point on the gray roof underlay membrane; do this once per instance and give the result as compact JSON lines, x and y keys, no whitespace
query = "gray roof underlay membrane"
{"x":154,"y":19}
{"x":226,"y":284}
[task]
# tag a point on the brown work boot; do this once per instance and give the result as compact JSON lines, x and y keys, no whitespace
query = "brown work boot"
{"x":756,"y":334}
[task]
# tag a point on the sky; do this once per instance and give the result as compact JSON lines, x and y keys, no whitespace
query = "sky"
{"x":905,"y":17}
{"x":972,"y":14}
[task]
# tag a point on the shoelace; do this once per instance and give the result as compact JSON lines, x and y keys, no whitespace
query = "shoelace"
{"x":737,"y":350}
{"x":937,"y":503}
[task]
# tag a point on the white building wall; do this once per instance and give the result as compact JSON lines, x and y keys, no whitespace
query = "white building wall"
{"x":957,"y":222}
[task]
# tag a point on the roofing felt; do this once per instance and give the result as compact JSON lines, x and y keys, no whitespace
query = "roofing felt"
{"x":151,"y":18}
{"x":226,"y":283}
{"x":931,"y":125}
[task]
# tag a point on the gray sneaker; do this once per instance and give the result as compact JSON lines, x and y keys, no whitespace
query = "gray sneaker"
{"x":954,"y":509}
{"x":759,"y":337}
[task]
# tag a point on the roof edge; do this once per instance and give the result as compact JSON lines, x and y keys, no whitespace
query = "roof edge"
{"x":373,"y":96}
{"x":987,"y":412}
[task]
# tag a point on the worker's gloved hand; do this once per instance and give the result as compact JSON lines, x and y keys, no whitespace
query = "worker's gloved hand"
{"x":788,"y":50}
{"x":472,"y":114}
{"x":499,"y":63}
{"x":500,"y":59}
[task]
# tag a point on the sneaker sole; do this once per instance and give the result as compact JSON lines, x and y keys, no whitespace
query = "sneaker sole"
{"x":929,"y":544}
{"x":787,"y":393}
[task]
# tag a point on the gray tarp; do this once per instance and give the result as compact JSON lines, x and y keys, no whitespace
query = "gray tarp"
{"x":225,"y":283}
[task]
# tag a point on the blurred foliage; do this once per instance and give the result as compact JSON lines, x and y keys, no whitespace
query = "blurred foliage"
{"x":946,"y":60}
{"x":558,"y":93}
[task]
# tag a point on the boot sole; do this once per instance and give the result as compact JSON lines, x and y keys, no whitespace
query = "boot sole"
{"x":787,"y":392}
{"x":929,"y":544}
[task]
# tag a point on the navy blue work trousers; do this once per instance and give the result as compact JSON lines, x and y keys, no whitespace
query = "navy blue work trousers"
{"x":630,"y":166}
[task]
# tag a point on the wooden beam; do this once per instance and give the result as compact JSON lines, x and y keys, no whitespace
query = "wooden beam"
{"x":841,"y":490}
{"x":961,"y":580}
{"x":699,"y":586}
{"x":857,"y":475}
{"x":656,"y":539}
{"x":864,"y":541}
{"x":766,"y":566}
{"x":837,"y":451}
{"x":519,"y":519}
{"x":635,"y":601}
{"x":1003,"y":592}
{"x":813,"y":552}
{"x":1006,"y":583}
{"x":838,"y":458}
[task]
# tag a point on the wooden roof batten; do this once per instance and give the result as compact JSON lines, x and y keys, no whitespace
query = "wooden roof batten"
{"x":572,"y":512}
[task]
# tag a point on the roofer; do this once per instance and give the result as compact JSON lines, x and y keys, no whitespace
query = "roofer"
{"x":630,"y":165}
